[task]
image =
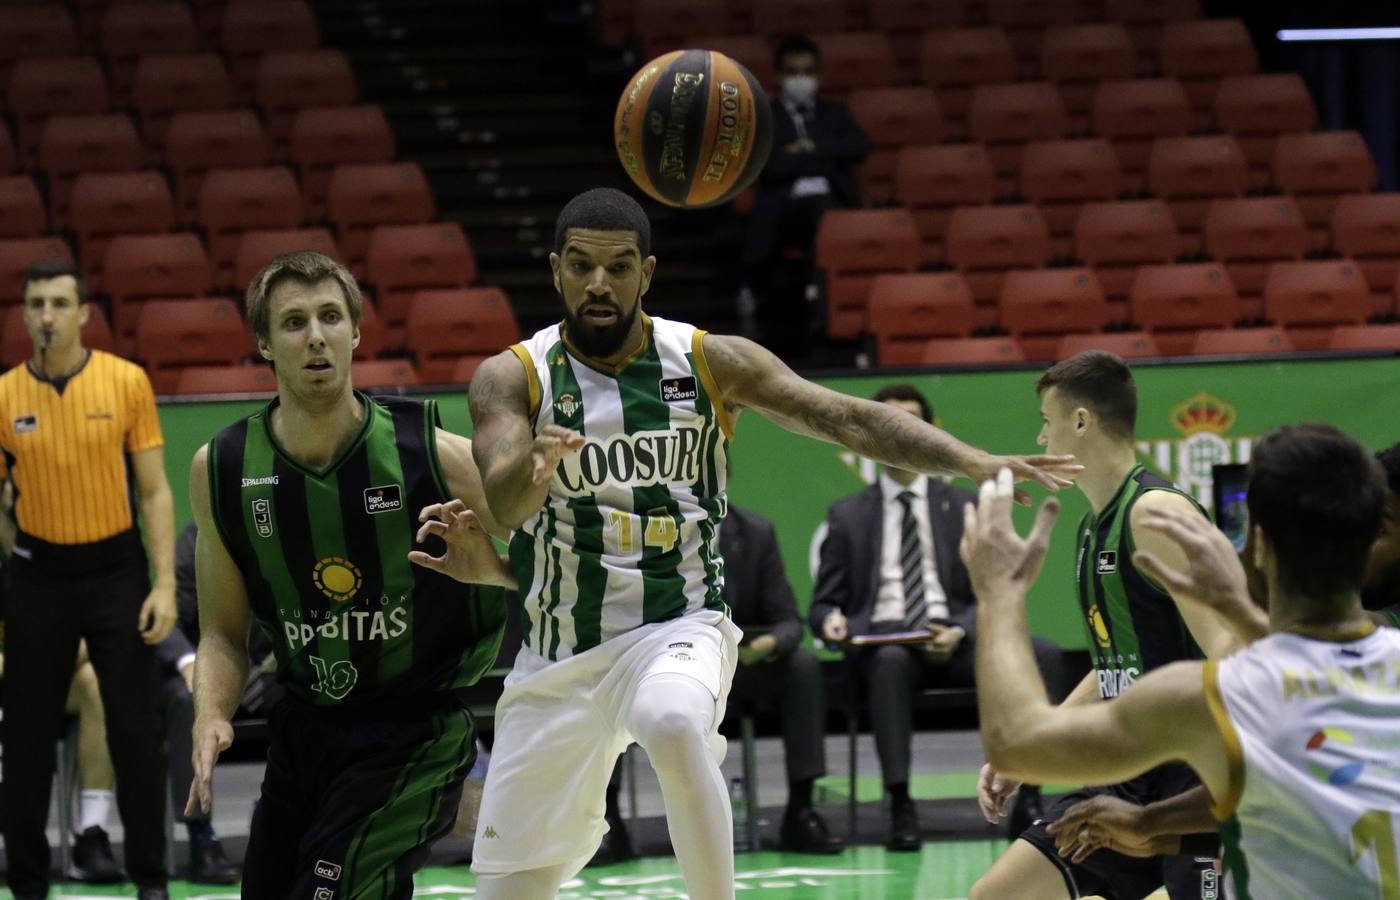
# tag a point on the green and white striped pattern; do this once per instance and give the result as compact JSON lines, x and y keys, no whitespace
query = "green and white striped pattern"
{"x":629,"y":532}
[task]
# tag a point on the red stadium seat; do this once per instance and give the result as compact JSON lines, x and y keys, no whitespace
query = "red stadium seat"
{"x":445,"y":325}
{"x":985,"y":241}
{"x":748,"y":50}
{"x":175,"y":333}
{"x":1318,"y":168}
{"x":1247,"y":235}
{"x":290,"y":80}
{"x":989,"y":351}
{"x":254,"y":27}
{"x":1190,"y":172}
{"x":1202,"y":52}
{"x":1127,"y":344}
{"x":1060,"y":176}
{"x":7,"y":151}
{"x":1366,"y":337}
{"x":933,"y":181}
{"x":141,"y":267}
{"x":1134,"y":113}
{"x":254,"y":379}
{"x":40,"y":88}
{"x":69,"y":145}
{"x":853,"y":60}
{"x":131,"y":30}
{"x":17,"y":255}
{"x":374,"y":334}
{"x":908,"y":309}
{"x":775,"y":18}
{"x":1308,"y":298}
{"x":1041,"y":305}
{"x":852,"y":246}
{"x":1144,"y":20}
{"x":116,"y":203}
{"x":1025,"y":22}
{"x":1256,"y":109}
{"x":663,"y":25}
{"x":1366,"y":228}
{"x":1077,"y":57}
{"x":1005,"y":117}
{"x":1242,"y":342}
{"x":382,"y":374}
{"x":363,"y":196}
{"x":257,"y":248}
{"x":21,"y":208}
{"x":403,"y":259}
{"x":615,"y":19}
{"x":954,"y":62}
{"x":323,"y":138}
{"x":906,"y":21}
{"x":1175,"y":302}
{"x":232,"y":201}
{"x":164,"y":85}
{"x":892,"y":118}
{"x":1116,"y":238}
{"x":36,"y":30}
{"x":199,"y":141}
{"x":16,"y":347}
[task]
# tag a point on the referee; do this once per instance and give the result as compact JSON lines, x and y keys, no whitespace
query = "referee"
{"x":82,"y":443}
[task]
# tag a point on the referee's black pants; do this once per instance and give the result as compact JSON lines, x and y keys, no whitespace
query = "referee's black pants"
{"x":45,"y":615}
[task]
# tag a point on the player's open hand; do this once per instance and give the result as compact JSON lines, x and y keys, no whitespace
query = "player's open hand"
{"x":1050,"y":472}
{"x":470,"y":556}
{"x":157,"y":616}
{"x":994,"y":793}
{"x":211,"y":737}
{"x":1104,"y":822}
{"x":1213,"y":576}
{"x":552,"y":444}
{"x":1000,"y":562}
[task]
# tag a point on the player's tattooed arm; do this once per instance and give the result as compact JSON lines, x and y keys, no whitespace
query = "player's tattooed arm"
{"x":751,"y":377}
{"x":515,"y":464}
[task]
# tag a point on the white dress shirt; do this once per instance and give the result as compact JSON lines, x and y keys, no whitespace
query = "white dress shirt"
{"x":889,"y":598}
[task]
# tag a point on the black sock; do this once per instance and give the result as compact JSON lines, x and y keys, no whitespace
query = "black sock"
{"x":200,"y":831}
{"x":800,"y":794}
{"x":899,"y":793}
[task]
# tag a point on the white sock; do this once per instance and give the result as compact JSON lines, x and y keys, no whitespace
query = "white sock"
{"x":671,"y":717}
{"x":94,"y":807}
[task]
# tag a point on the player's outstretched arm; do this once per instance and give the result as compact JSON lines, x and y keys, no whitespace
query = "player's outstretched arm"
{"x":515,"y":464}
{"x":1105,"y":821}
{"x":221,"y":662}
{"x":1164,"y":717}
{"x":751,"y":377}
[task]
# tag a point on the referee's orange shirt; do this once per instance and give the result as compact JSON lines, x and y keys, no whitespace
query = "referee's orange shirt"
{"x":67,"y":451}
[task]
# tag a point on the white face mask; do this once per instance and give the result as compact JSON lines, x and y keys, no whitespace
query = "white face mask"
{"x":800,"y":89}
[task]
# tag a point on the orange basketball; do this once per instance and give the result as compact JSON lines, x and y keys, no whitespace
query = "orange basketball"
{"x":693,"y":128}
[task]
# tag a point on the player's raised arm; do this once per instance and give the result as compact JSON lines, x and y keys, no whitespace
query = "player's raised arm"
{"x":221,"y":662}
{"x":751,"y":377}
{"x":515,"y":464}
{"x":464,"y":522}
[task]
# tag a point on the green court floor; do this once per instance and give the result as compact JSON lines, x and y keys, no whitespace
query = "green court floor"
{"x":942,"y":871}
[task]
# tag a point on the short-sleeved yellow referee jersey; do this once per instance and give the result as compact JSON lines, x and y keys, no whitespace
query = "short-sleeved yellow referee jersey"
{"x":67,"y":450}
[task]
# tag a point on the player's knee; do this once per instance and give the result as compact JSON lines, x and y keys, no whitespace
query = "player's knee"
{"x":88,"y":696}
{"x":984,"y":889}
{"x":668,"y":734}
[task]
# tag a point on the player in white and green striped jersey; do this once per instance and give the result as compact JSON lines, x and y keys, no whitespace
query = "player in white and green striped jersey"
{"x":601,"y":442}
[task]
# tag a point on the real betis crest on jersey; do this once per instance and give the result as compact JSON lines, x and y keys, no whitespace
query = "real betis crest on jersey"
{"x":629,"y":532}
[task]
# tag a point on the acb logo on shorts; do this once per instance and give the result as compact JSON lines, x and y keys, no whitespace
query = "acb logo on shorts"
{"x":326,"y":870}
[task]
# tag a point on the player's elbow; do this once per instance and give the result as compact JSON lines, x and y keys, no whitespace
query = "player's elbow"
{"x":1007,"y":749}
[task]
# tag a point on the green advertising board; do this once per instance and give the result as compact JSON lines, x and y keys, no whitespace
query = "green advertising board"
{"x":1190,"y":417}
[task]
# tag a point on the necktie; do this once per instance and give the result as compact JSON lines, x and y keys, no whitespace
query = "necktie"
{"x":911,"y":563}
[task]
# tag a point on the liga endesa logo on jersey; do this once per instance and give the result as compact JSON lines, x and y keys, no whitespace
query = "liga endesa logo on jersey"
{"x":634,"y":460}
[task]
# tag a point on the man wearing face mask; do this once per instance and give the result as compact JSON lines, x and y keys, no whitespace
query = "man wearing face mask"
{"x":816,"y":145}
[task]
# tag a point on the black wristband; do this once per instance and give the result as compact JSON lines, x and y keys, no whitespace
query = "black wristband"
{"x":1203,"y":844}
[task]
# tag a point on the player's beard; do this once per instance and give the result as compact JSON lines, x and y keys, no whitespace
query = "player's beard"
{"x":596,"y":342}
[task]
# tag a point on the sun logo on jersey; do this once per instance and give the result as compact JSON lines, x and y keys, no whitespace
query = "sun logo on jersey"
{"x":337,"y":578}
{"x":1099,"y":627}
{"x":1342,"y":775}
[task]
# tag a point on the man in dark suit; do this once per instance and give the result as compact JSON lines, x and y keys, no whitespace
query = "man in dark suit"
{"x":774,"y":667}
{"x":816,"y":146}
{"x":890,"y":564}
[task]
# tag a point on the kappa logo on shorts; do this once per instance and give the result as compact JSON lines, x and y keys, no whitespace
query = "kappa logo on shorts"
{"x":383,"y":499}
{"x":323,"y":893}
{"x":327,"y":870}
{"x":490,"y":833}
{"x":26,"y":424}
{"x":675,"y":390}
{"x":1108,"y":562}
{"x":686,"y":644}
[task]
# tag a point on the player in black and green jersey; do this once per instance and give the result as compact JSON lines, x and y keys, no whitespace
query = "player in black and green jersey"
{"x":308,"y":515}
{"x":1089,"y":408}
